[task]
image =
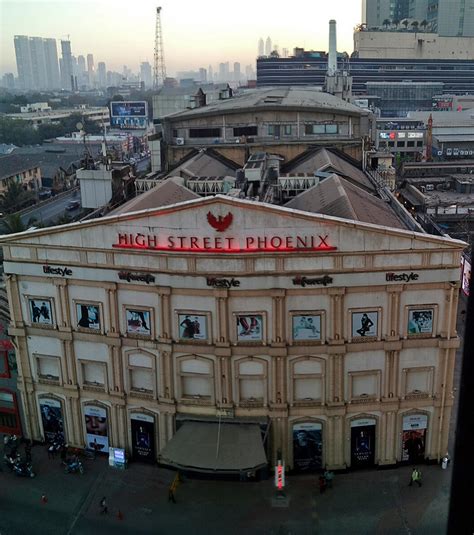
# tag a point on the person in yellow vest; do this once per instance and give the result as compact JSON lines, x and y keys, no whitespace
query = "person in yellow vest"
{"x":415,"y":477}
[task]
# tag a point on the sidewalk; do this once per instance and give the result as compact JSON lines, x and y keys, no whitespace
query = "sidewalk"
{"x":364,"y":502}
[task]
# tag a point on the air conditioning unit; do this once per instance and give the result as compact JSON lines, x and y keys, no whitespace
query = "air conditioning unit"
{"x":429,"y":187}
{"x":179,"y":141}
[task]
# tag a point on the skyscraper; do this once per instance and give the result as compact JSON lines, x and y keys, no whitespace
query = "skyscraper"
{"x":145,"y":74}
{"x":38,"y":62}
{"x":210,"y":74}
{"x":52,"y":67}
{"x":455,"y":18}
{"x":66,"y":66}
{"x":268,"y":46}
{"x":237,"y":74}
{"x":23,"y":61}
{"x":261,"y":47}
{"x":81,"y":64}
{"x":8,"y":81}
{"x":90,"y":69}
{"x":375,"y":12}
{"x":202,"y":75}
{"x":101,"y":74}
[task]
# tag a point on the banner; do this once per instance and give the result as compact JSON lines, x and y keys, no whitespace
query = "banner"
{"x":307,"y":446}
{"x":413,"y":437}
{"x":143,"y":437}
{"x":97,"y":433}
{"x":52,"y":418}
{"x":362,"y":442}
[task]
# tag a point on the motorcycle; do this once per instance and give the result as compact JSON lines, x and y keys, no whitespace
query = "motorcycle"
{"x":73,"y":466}
{"x":11,"y":459}
{"x":10,"y":442}
{"x":55,"y":447}
{"x":22,"y":468}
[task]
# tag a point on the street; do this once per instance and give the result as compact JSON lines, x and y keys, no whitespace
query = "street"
{"x":52,"y":210}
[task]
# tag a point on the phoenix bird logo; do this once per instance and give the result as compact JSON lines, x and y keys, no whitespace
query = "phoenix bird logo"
{"x":220,"y":223}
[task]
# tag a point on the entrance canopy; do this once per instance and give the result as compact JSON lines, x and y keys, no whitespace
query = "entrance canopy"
{"x":211,"y":447}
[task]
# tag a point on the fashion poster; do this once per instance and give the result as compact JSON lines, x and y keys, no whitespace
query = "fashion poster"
{"x":138,"y":322}
{"x":97,"y":433}
{"x":143,"y":433}
{"x":420,"y":321}
{"x":307,"y":327}
{"x":88,"y":316}
{"x":192,"y":327}
{"x":307,"y":447}
{"x":413,"y":437}
{"x":52,"y":419}
{"x":41,"y":311}
{"x":364,"y":324}
{"x":249,"y":328}
{"x":362,"y":444}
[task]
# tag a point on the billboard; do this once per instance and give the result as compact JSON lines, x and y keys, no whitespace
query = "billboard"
{"x":129,"y":114}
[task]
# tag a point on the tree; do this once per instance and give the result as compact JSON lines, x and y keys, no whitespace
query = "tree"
{"x":424,"y":24}
{"x":386,"y":23}
{"x":14,"y":197}
{"x":415,"y":25}
{"x":14,"y":223}
{"x":405,"y":23}
{"x":396,"y":22}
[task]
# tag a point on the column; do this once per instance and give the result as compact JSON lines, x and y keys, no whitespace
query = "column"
{"x":165,"y":294}
{"x":115,"y":359}
{"x":70,"y":362}
{"x":222,"y":334}
{"x":16,"y":317}
{"x":337,"y":315}
{"x":113,"y":310}
{"x":64,"y":321}
{"x":278,"y":324}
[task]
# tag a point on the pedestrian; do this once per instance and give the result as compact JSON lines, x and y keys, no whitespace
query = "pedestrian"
{"x":171,"y":497}
{"x":322,"y":484}
{"x":328,"y":476}
{"x":103,"y":506}
{"x":415,"y":477}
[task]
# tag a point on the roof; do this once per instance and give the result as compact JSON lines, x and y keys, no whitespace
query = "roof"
{"x":12,"y":164}
{"x":168,"y":192}
{"x":281,"y":98}
{"x":322,"y":159}
{"x":459,"y":138}
{"x":206,"y":162}
{"x":337,"y":197}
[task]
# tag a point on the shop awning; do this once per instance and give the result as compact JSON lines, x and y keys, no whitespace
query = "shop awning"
{"x":211,"y":447}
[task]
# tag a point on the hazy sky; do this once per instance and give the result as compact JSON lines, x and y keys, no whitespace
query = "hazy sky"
{"x":196,"y":32}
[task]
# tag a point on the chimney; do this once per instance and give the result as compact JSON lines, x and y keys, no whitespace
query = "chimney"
{"x":332,"y":59}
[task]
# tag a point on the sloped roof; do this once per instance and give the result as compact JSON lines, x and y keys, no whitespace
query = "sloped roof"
{"x":170,"y":191}
{"x":337,"y":197}
{"x":206,"y":163}
{"x":323,"y":159}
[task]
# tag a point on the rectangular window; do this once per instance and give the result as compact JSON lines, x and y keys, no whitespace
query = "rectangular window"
{"x":331,"y":129}
{"x":287,"y":129}
{"x":93,"y":373}
{"x":410,"y":143}
{"x":141,"y":379}
{"x":245,"y":131}
{"x":319,"y":128}
{"x":251,"y":389}
{"x":194,"y":386}
{"x":48,"y":368}
{"x":4,"y":369}
{"x":204,"y":132}
{"x":271,"y":129}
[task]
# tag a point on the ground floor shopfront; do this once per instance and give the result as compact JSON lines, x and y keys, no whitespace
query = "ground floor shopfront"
{"x":335,"y":438}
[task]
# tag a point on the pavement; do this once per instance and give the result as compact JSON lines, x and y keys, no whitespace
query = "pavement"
{"x":375,"y":502}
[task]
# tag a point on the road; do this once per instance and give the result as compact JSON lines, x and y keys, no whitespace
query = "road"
{"x":52,"y":210}
{"x":142,"y":165}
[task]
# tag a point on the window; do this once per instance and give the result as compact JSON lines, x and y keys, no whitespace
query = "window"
{"x":400,"y":143}
{"x":321,"y":129}
{"x":410,"y":143}
{"x":419,"y":143}
{"x":271,"y":129}
{"x":204,"y":132}
{"x":308,"y":380}
{"x":252,"y":381}
{"x":364,"y":385}
{"x":245,"y":131}
{"x":197,"y":378}
{"x":287,"y":130}
{"x":93,"y":373}
{"x":141,"y":373}
{"x":49,"y":368}
{"x":175,"y":132}
{"x":417,"y":382}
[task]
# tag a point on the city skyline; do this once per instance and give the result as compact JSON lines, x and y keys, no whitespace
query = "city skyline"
{"x":132,"y":44}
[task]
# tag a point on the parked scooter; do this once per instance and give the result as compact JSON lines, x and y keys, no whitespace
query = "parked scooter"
{"x":22,"y":468}
{"x":10,"y":442}
{"x":73,"y":466}
{"x":11,"y":459}
{"x":56,"y":446}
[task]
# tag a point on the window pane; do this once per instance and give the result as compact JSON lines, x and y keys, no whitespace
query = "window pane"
{"x":307,"y":366}
{"x":251,"y":368}
{"x":48,"y":367}
{"x":364,"y":385}
{"x":196,"y":366}
{"x":417,"y":381}
{"x":308,"y":389}
{"x":331,"y":129}
{"x":319,"y":128}
{"x":94,"y":373}
{"x":196,"y":386}
{"x":252,"y":388}
{"x":142,"y":380}
{"x":140,"y":360}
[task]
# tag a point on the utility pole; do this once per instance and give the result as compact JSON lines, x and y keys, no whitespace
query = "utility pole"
{"x":159,"y":73}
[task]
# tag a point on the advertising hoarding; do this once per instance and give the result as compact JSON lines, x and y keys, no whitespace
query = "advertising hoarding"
{"x":129,"y":114}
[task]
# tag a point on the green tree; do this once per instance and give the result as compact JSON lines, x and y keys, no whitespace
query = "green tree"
{"x":386,"y":23}
{"x":415,"y":25}
{"x":14,"y":197}
{"x":13,"y":223}
{"x":424,"y":24}
{"x":405,"y":23}
{"x":396,"y":22}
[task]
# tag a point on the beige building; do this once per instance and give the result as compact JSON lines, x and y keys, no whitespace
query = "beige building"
{"x":231,"y":326}
{"x":412,"y":45}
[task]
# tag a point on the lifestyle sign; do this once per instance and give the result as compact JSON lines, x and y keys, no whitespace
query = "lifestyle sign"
{"x":225,"y":244}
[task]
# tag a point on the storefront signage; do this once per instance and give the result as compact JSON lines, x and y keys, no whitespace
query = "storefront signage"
{"x":415,"y":135}
{"x":222,"y":283}
{"x":305,"y":281}
{"x":414,"y":437}
{"x":221,"y":244}
{"x":63,"y":272}
{"x":52,"y":419}
{"x":401,"y":277}
{"x":142,"y":277}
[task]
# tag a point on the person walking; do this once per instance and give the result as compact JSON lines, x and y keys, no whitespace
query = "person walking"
{"x":415,"y":477}
{"x":171,"y":497}
{"x":103,"y":506}
{"x":322,"y":484}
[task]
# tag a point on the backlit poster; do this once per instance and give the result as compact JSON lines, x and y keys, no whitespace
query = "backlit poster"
{"x":143,"y":437}
{"x":97,"y":432}
{"x":420,"y":321}
{"x":466,"y":276}
{"x":362,"y":442}
{"x":413,"y":437}
{"x":307,"y":446}
{"x":52,"y":419}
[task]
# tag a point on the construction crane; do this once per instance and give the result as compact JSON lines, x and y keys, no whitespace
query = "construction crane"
{"x":159,"y":73}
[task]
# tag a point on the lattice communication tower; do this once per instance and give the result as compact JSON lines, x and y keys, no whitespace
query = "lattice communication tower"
{"x":159,"y":73}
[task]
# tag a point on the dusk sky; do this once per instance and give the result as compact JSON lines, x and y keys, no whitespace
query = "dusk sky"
{"x":196,"y":33}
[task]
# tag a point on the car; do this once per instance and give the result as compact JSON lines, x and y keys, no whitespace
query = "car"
{"x":44,"y":194}
{"x":73,"y":205}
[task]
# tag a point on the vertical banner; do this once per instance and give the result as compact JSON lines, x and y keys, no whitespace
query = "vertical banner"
{"x":97,"y":432}
{"x":52,"y":419}
{"x":362,"y":442}
{"x":143,"y":437}
{"x":413,"y":437}
{"x":307,"y":446}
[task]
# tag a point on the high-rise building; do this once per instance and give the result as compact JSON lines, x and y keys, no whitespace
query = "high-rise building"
{"x":101,"y":74}
{"x":145,"y":74}
{"x":454,"y":17}
{"x":376,"y":12}
{"x":81,"y":64}
{"x":8,"y":81}
{"x":268,"y":46}
{"x":202,"y":75}
{"x":90,"y":69}
{"x":261,"y":47}
{"x":210,"y":73}
{"x":38,"y":62}
{"x":23,"y":61}
{"x":237,"y":74}
{"x":51,"y":60}
{"x":418,"y":10}
{"x":66,"y":66}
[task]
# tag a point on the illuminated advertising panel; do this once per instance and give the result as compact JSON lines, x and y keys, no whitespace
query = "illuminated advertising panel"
{"x":129,"y":114}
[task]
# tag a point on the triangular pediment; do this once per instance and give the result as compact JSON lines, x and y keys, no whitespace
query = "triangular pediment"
{"x":229,"y":225}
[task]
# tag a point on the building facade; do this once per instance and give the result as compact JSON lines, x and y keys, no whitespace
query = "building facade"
{"x":333,"y":341}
